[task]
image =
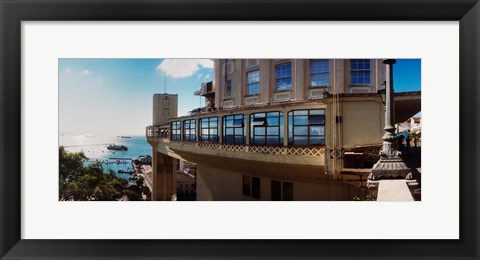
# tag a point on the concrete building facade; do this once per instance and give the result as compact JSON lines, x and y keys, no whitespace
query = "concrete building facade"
{"x":292,"y":79}
{"x":283,"y":129}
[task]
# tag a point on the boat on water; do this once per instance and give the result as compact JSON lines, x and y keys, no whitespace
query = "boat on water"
{"x":125,"y":136}
{"x":117,"y":147}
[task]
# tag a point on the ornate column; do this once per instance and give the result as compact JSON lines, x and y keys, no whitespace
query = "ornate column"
{"x":390,"y":165}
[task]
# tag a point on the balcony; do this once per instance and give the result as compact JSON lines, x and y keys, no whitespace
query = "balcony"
{"x":311,"y":156}
{"x":193,"y":150}
{"x":157,"y":132}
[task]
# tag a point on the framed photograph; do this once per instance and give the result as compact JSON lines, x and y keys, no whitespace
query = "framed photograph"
{"x":295,"y":99}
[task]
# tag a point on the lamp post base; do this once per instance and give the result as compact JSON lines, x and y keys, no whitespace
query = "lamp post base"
{"x":390,"y":168}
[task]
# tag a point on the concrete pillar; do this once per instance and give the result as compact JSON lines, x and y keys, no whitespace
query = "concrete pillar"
{"x":220,"y":130}
{"x":285,"y":129}
{"x":265,"y":80}
{"x":299,"y":86}
{"x":164,"y":177}
{"x":247,"y":129}
{"x":219,"y":80}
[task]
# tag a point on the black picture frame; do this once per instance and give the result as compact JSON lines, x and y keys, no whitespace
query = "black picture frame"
{"x":13,"y":12}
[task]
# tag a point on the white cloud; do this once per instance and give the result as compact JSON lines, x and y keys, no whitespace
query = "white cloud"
{"x":68,"y":71}
{"x":86,"y":73}
{"x":206,"y":63}
{"x":182,"y":68}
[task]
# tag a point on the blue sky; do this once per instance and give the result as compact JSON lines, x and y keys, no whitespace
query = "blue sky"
{"x":407,"y":75}
{"x":114,"y":96}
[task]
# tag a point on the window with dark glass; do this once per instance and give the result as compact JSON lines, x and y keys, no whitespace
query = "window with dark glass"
{"x":255,"y":187}
{"x":276,"y":190}
{"x":246,"y":185}
{"x":287,"y":191}
{"x":281,"y":190}
{"x":253,"y":82}
{"x":234,"y":129}
{"x":176,"y":128}
{"x":360,"y":70}
{"x":189,"y":130}
{"x":283,"y":77}
{"x":228,"y":87}
{"x":166,"y":107}
{"x":306,"y":127}
{"x":319,"y":73}
{"x":266,"y":128}
{"x":209,"y":129}
{"x":251,"y":186}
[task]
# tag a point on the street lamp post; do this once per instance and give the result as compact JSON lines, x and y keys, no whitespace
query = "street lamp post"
{"x":390,"y":165}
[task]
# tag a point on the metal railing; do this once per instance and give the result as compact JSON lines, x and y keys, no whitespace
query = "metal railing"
{"x":158,"y":131}
{"x":164,"y":132}
{"x":276,"y":150}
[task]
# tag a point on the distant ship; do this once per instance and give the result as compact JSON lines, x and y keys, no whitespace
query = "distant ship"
{"x":117,"y":147}
{"x":125,"y":136}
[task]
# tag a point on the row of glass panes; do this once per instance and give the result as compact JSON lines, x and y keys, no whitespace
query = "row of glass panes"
{"x":305,"y":127}
{"x":319,"y":71}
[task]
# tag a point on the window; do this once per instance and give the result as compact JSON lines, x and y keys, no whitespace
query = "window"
{"x":176,"y":130}
{"x":209,"y":129}
{"x":283,"y":77}
{"x":287,"y":191}
{"x":253,"y":82}
{"x":266,"y":128}
{"x":228,"y":66}
{"x":228,"y":88}
{"x":246,"y":185}
{"x":360,"y":70}
{"x":281,"y":190}
{"x":249,"y":63}
{"x":166,"y":107}
{"x":251,"y":186}
{"x":255,"y":188}
{"x":319,"y":73}
{"x":189,"y":130}
{"x":234,"y":129}
{"x":166,"y":103}
{"x":306,"y":127}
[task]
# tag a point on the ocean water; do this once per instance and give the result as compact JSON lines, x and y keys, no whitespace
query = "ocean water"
{"x":95,"y":148}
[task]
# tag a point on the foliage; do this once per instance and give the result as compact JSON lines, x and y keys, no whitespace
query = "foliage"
{"x":71,"y":164}
{"x":139,"y":182}
{"x":78,"y":182}
{"x":134,"y":193}
{"x":416,"y":137}
{"x":366,"y":198}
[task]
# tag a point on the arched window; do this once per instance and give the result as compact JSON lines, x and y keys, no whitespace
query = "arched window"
{"x":209,"y":129}
{"x":266,"y":128}
{"x":234,"y":129}
{"x":306,"y":127}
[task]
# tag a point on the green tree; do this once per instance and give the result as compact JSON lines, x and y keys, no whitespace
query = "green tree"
{"x":71,"y":164}
{"x":134,"y":193}
{"x":139,"y":182}
{"x":78,"y":182}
